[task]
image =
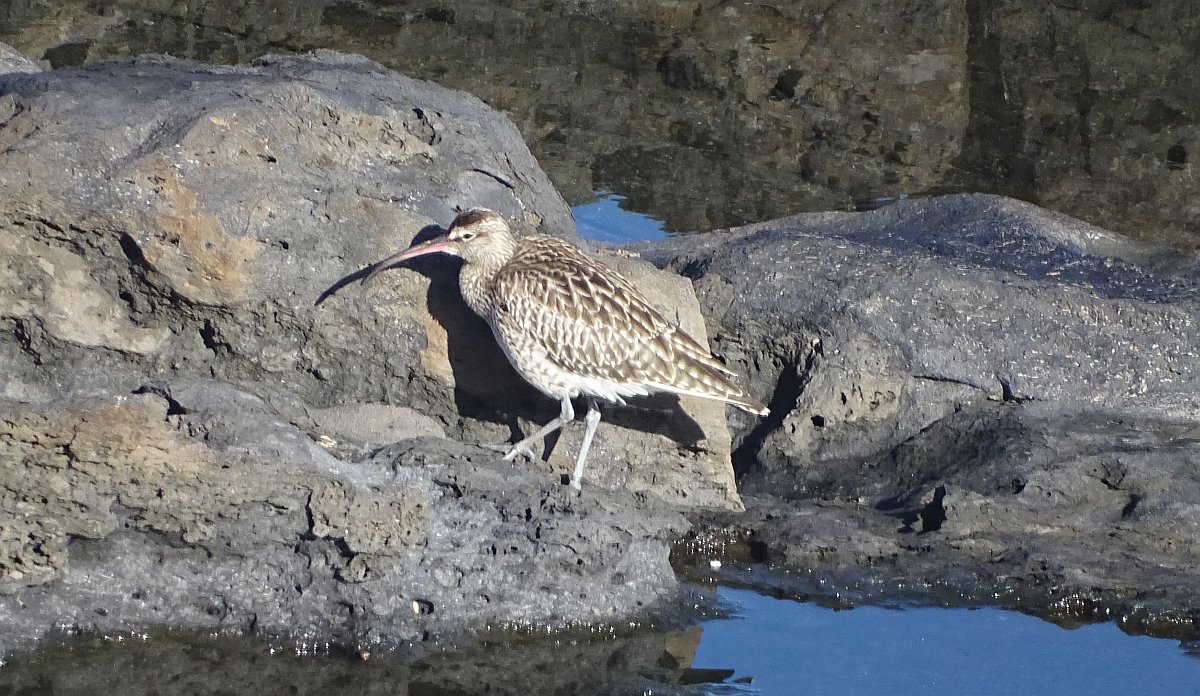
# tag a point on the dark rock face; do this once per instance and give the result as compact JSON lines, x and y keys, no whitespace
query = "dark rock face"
{"x":710,"y":114}
{"x":528,"y":664}
{"x":187,"y":440}
{"x":1017,"y":388}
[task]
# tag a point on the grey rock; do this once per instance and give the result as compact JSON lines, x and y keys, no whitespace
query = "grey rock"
{"x":902,"y":316}
{"x":208,"y":207}
{"x":206,"y":425}
{"x":135,"y":511}
{"x":166,"y":192}
{"x":13,"y":61}
{"x":965,"y":388}
{"x":968,"y":392}
{"x":376,"y":422}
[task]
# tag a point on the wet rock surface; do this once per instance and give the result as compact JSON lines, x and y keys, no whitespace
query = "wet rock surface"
{"x":581,"y":664}
{"x":207,"y":424}
{"x":969,"y":392}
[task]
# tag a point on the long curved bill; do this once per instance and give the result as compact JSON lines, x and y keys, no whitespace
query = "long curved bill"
{"x":433,"y":246}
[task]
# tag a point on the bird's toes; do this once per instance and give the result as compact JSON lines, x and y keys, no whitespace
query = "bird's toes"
{"x":517,"y":451}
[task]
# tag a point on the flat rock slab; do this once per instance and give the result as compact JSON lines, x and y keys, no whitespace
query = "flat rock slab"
{"x":969,"y":390}
{"x":151,"y":509}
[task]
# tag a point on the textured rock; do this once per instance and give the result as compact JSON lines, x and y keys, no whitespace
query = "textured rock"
{"x":189,"y":440}
{"x":908,"y":314}
{"x":12,"y":61}
{"x":182,"y":219}
{"x":198,"y":507}
{"x":208,"y":207}
{"x":1016,"y":386}
{"x":968,"y":392}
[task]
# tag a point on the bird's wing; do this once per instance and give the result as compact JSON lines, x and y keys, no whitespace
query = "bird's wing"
{"x":589,"y":320}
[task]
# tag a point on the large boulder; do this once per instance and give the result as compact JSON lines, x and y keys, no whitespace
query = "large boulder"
{"x":189,"y":438}
{"x":169,"y":218}
{"x":1019,"y":388}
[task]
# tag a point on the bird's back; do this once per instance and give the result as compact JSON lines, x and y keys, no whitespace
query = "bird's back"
{"x":572,"y":325}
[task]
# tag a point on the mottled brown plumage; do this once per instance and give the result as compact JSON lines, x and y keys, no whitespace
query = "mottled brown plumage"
{"x":572,"y":326}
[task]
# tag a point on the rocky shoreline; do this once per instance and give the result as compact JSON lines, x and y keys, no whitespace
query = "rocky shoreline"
{"x":974,"y":397}
{"x":967,"y":392}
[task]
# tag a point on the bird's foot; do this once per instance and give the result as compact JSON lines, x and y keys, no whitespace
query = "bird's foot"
{"x":518,"y":449}
{"x":575,"y":484}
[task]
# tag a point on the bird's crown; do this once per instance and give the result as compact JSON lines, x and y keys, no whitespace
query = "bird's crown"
{"x":475,"y":222}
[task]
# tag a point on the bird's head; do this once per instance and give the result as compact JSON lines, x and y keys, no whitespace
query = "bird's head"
{"x":477,"y":236}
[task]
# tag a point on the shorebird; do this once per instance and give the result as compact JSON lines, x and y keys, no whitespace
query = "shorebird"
{"x":572,"y":326}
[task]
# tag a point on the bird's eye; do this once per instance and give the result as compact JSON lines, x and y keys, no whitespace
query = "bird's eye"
{"x":465,"y":236}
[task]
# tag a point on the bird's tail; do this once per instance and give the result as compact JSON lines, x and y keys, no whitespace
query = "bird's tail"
{"x":750,"y":406}
{"x":722,"y":390}
{"x":695,"y":372}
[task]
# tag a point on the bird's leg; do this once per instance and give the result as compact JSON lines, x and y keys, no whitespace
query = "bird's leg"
{"x":592,"y":419}
{"x":567,"y":415}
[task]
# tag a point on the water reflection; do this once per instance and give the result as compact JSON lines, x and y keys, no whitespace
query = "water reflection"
{"x":792,"y":647}
{"x":604,"y":220}
{"x":712,"y":114}
{"x":770,"y":646}
{"x":183,"y":664}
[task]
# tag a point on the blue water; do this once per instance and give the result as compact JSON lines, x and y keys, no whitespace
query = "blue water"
{"x":603,"y":220}
{"x":801,"y":648}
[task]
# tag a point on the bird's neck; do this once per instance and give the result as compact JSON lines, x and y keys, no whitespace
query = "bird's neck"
{"x":478,"y":274}
{"x":475,"y":282}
